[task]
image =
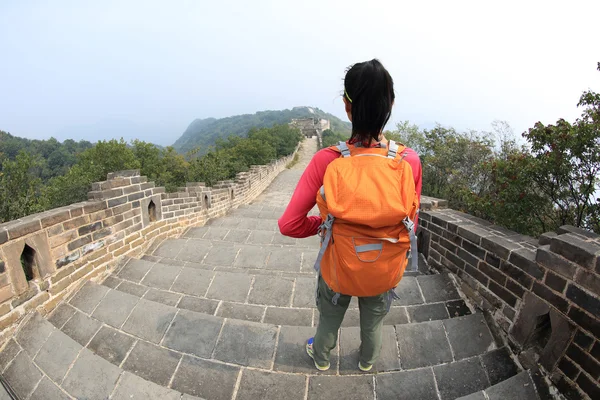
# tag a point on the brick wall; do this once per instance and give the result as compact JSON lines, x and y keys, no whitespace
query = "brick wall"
{"x":45,"y":256}
{"x":544,"y":294}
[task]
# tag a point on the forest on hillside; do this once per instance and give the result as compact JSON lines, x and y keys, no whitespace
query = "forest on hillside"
{"x":204,"y":133}
{"x":552,"y":179}
{"x":40,"y":175}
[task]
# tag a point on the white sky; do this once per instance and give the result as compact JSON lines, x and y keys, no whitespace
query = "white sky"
{"x":146,"y":69}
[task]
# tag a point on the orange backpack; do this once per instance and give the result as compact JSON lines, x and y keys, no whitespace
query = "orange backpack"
{"x":368,"y":204}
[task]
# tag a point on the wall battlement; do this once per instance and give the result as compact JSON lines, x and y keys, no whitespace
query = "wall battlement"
{"x":45,"y":256}
{"x":544,"y":294}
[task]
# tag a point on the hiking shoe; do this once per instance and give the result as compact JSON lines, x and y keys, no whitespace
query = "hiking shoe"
{"x":311,"y":354}
{"x":365,"y":368}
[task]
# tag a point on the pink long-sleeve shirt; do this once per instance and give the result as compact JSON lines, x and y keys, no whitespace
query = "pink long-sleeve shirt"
{"x":295,"y":221}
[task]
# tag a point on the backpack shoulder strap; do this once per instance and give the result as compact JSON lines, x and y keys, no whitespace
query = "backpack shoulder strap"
{"x":395,"y":149}
{"x":342,"y":147}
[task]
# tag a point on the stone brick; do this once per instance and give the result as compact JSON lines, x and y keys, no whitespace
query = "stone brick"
{"x":76,"y":222}
{"x":5,"y":293}
{"x":588,"y":280}
{"x":545,"y":238}
{"x":473,"y":233}
{"x":499,"y":246}
{"x":585,"y":361}
{"x":504,"y":294}
{"x":92,"y":207}
{"x":3,"y":236}
{"x":76,"y":210}
{"x":112,"y":220}
{"x":590,"y":387}
{"x":68,"y":236}
{"x":525,"y":259}
{"x":551,"y":297}
{"x":555,"y":282}
{"x":19,"y":229}
{"x":475,"y":273}
{"x":568,"y":368}
{"x":584,"y":341}
{"x":596,"y":351}
{"x":135,"y":196}
{"x":455,"y":260}
{"x":575,"y":249}
{"x":492,"y":272}
{"x":117,"y":202}
{"x":517,"y":274}
{"x":84,"y":230}
{"x":468,"y":257}
{"x":452,"y":237}
{"x":587,"y":301}
{"x":515,"y":288}
{"x":555,"y":262}
{"x":55,"y":217}
{"x":79,"y":242}
{"x":492,"y":260}
{"x":102,"y":233}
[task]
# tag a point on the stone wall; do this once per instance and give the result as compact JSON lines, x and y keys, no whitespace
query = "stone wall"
{"x":544,"y":294}
{"x":45,"y":256}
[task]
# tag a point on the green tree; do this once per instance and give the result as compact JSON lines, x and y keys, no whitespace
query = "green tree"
{"x":18,"y":187}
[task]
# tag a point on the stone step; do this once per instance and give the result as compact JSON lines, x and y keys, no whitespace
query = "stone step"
{"x":243,"y":234}
{"x":199,"y":334}
{"x":45,"y":363}
{"x":458,"y":356}
{"x":262,"y":297}
{"x":520,"y":387}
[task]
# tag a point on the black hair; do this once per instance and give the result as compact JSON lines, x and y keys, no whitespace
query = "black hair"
{"x":370,"y":89}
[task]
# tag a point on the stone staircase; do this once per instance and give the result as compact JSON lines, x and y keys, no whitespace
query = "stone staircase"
{"x":224,"y":312}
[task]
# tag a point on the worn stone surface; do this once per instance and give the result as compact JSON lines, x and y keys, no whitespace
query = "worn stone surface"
{"x":473,"y":327}
{"x":111,"y":345}
{"x":271,"y":386}
{"x":205,"y":379}
{"x":422,"y":345}
{"x":133,"y":387}
{"x":135,"y":270}
{"x":342,"y":387}
{"x":161,"y":296}
{"x":193,"y":281}
{"x":22,"y":375}
{"x":48,"y":390}
{"x":304,"y":292}
{"x":519,"y":387}
{"x":149,"y":320}
{"x":461,"y":378}
{"x":230,"y":286}
{"x":91,"y":377}
{"x":246,"y":343}
{"x":115,"y":307}
{"x":81,"y":328}
{"x":419,"y":384}
{"x":499,"y":365}
{"x":193,"y":333}
{"x":288,"y":316}
{"x":8,"y":354}
{"x":427,"y":312}
{"x":56,"y":355}
{"x":438,"y":288}
{"x":88,"y":297}
{"x":199,"y":305}
{"x":408,"y":291}
{"x":152,"y":363}
{"x":61,"y":314}
{"x":271,"y":291}
{"x":247,"y":312}
{"x":34,"y":333}
{"x":161,"y":276}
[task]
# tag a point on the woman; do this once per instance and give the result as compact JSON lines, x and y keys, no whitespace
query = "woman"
{"x":368,"y":99}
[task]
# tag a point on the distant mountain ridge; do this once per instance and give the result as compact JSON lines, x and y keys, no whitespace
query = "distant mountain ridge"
{"x":203,"y":133}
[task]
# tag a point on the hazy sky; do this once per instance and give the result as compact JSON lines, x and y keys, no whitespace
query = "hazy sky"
{"x":111,"y":68}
